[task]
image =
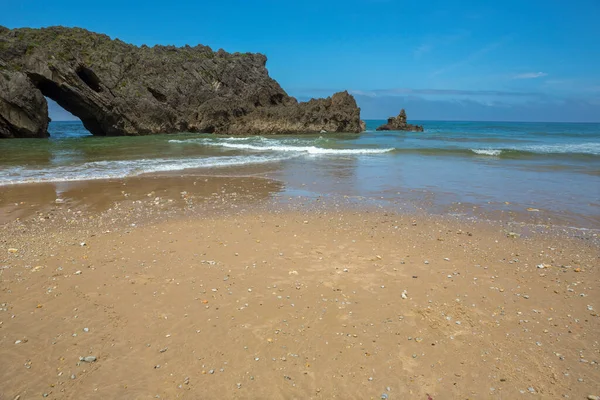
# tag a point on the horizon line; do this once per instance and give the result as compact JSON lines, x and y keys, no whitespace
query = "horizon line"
{"x":432,"y":120}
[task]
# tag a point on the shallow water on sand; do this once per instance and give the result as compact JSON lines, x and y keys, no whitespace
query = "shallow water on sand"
{"x":553,"y":167}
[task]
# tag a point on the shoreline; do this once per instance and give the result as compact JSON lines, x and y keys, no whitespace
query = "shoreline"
{"x":260,"y":184}
{"x":238,"y":295}
{"x":438,"y":173}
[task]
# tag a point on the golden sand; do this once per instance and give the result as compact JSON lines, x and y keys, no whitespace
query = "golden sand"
{"x":207,"y":295}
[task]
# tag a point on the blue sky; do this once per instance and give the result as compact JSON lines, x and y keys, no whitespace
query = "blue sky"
{"x":525,"y":60}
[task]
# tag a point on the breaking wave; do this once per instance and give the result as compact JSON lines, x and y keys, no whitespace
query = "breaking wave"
{"x":487,"y":152}
{"x":583,"y":149}
{"x":122,"y":168}
{"x":286,"y":146}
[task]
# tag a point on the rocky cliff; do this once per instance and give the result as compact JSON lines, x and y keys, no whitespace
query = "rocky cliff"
{"x":22,"y":107}
{"x":399,"y":124}
{"x":121,"y":89}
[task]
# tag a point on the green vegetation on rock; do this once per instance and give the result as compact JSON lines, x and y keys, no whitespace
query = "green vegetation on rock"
{"x":117,"y":88}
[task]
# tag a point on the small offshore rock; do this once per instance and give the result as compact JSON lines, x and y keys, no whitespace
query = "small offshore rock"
{"x":399,"y":124}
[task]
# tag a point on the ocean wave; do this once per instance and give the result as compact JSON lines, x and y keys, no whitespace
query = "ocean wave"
{"x":326,"y":146}
{"x":227,"y":139}
{"x":573,"y":148}
{"x":585,"y":149}
{"x":285,"y":146}
{"x":300,"y":149}
{"x":122,"y":168}
{"x":487,"y":152}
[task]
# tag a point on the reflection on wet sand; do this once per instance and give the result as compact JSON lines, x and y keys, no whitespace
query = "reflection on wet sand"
{"x":21,"y":201}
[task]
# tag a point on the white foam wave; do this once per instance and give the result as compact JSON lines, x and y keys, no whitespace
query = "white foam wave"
{"x":286,"y":145}
{"x":581,"y":148}
{"x":205,"y":140}
{"x":487,"y":152}
{"x":567,"y":148}
{"x":122,"y":168}
{"x":298,"y":149}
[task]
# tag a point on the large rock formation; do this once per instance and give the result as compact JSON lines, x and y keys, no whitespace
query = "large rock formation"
{"x":20,"y":105}
{"x":399,"y":124}
{"x":120,"y":89}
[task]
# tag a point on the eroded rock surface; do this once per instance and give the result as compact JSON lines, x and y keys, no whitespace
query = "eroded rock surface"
{"x":399,"y":124}
{"x":120,"y":89}
{"x":23,"y":109}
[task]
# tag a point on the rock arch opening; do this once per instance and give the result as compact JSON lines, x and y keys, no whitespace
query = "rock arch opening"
{"x":69,"y":100}
{"x":59,"y":114}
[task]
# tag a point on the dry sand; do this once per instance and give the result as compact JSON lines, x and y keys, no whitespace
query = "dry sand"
{"x":213,"y":296}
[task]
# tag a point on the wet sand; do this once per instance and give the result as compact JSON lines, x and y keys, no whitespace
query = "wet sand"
{"x":96,"y":197}
{"x":229,"y":289}
{"x":264,"y":184}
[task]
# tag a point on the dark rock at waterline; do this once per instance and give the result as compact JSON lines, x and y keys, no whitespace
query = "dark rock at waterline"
{"x":23,"y":109}
{"x":399,"y":124}
{"x":120,"y":89}
{"x":363,"y":126}
{"x":338,"y":113}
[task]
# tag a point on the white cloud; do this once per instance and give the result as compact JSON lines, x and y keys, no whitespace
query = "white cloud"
{"x":441,"y":92}
{"x":530,"y":75}
{"x":473,"y":56}
{"x":363,"y":93}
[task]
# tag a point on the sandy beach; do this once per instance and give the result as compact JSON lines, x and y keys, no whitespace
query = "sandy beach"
{"x":384,"y":200}
{"x":220,"y":289}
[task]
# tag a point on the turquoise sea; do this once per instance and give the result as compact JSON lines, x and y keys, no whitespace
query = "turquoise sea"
{"x":553,"y":167}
